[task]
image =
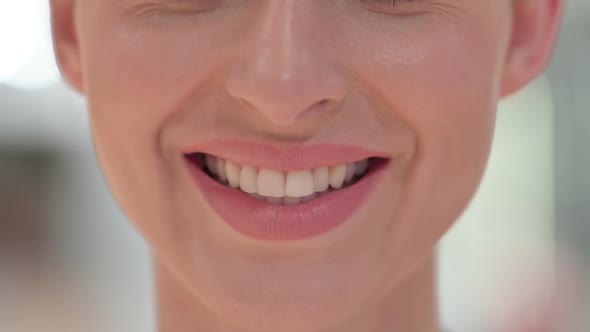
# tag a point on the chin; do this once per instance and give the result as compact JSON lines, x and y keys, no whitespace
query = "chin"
{"x":293,"y":299}
{"x":291,"y":315}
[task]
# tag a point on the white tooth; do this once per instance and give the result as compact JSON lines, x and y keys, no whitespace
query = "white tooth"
{"x":308,"y":198}
{"x":248,"y":176}
{"x":361,"y":166}
{"x":221,"y":170}
{"x":274,"y":200}
{"x":337,"y":174}
{"x":321,"y":179}
{"x":233,"y":173}
{"x":271,"y":183}
{"x":350,"y":170}
{"x":288,"y":200}
{"x":299,"y":184}
{"x":211,"y":164}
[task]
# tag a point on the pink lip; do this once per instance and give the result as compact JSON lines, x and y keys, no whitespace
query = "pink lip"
{"x":287,"y":157}
{"x":264,"y":221}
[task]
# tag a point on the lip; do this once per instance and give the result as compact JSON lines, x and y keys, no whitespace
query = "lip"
{"x":264,"y":221}
{"x":285,"y":157}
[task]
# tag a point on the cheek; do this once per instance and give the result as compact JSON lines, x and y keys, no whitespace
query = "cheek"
{"x":443,"y":88}
{"x":451,"y":105}
{"x":142,"y":73}
{"x":138,"y":74}
{"x":136,"y":78}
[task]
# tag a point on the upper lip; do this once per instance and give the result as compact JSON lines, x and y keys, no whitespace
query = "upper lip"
{"x":285,"y":157}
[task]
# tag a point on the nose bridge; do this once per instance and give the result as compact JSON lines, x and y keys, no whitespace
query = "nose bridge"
{"x":283,"y":69}
{"x":284,"y":39}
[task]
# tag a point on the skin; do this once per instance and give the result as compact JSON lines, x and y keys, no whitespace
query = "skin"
{"x":419,"y":80}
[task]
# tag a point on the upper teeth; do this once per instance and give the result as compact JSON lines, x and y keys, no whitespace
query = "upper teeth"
{"x":294,"y":185}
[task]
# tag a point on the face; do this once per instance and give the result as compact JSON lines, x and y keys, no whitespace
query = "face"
{"x":419,"y":82}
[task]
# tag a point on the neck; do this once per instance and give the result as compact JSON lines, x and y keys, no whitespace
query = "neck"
{"x":410,"y":307}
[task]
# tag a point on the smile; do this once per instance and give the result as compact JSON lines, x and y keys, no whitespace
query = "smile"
{"x":284,"y":194}
{"x":278,"y":187}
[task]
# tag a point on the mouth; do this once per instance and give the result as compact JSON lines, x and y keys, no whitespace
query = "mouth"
{"x":295,"y":193}
{"x":277,"y":187}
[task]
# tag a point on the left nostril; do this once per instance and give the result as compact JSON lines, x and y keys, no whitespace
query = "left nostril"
{"x":322,"y":103}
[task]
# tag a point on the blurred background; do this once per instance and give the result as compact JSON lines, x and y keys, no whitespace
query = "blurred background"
{"x":70,"y":262}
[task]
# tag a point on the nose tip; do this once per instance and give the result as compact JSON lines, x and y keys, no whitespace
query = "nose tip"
{"x":285,"y":67}
{"x":284,"y":98}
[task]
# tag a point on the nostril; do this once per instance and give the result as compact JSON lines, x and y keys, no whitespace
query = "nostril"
{"x":317,"y":106}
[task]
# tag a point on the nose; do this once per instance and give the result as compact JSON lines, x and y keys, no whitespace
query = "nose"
{"x":284,"y":68}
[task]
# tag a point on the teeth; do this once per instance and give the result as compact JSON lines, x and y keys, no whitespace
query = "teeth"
{"x":258,"y":197}
{"x":274,"y":200}
{"x":321,"y":179}
{"x":288,"y":200}
{"x":299,"y":184}
{"x":337,"y":175}
{"x":271,"y":183}
{"x":350,"y":171}
{"x":248,"y":177}
{"x":361,"y":166}
{"x":286,"y":188}
{"x":211,"y":164}
{"x":233,"y":174}
{"x":221,"y":170}
{"x":308,"y":198}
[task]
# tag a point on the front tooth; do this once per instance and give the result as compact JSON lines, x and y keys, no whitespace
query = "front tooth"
{"x":350,"y":171}
{"x":221,"y":170}
{"x":288,"y":200}
{"x":321,"y":179}
{"x":271,"y":183}
{"x":361,"y":166}
{"x":211,"y":164}
{"x":299,"y":184}
{"x":248,"y":177}
{"x":337,"y":175}
{"x":233,"y":173}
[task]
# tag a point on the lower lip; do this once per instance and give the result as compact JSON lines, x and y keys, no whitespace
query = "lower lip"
{"x":264,"y":221}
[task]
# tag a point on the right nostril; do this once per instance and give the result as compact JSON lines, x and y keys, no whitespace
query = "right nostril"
{"x":318,"y":105}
